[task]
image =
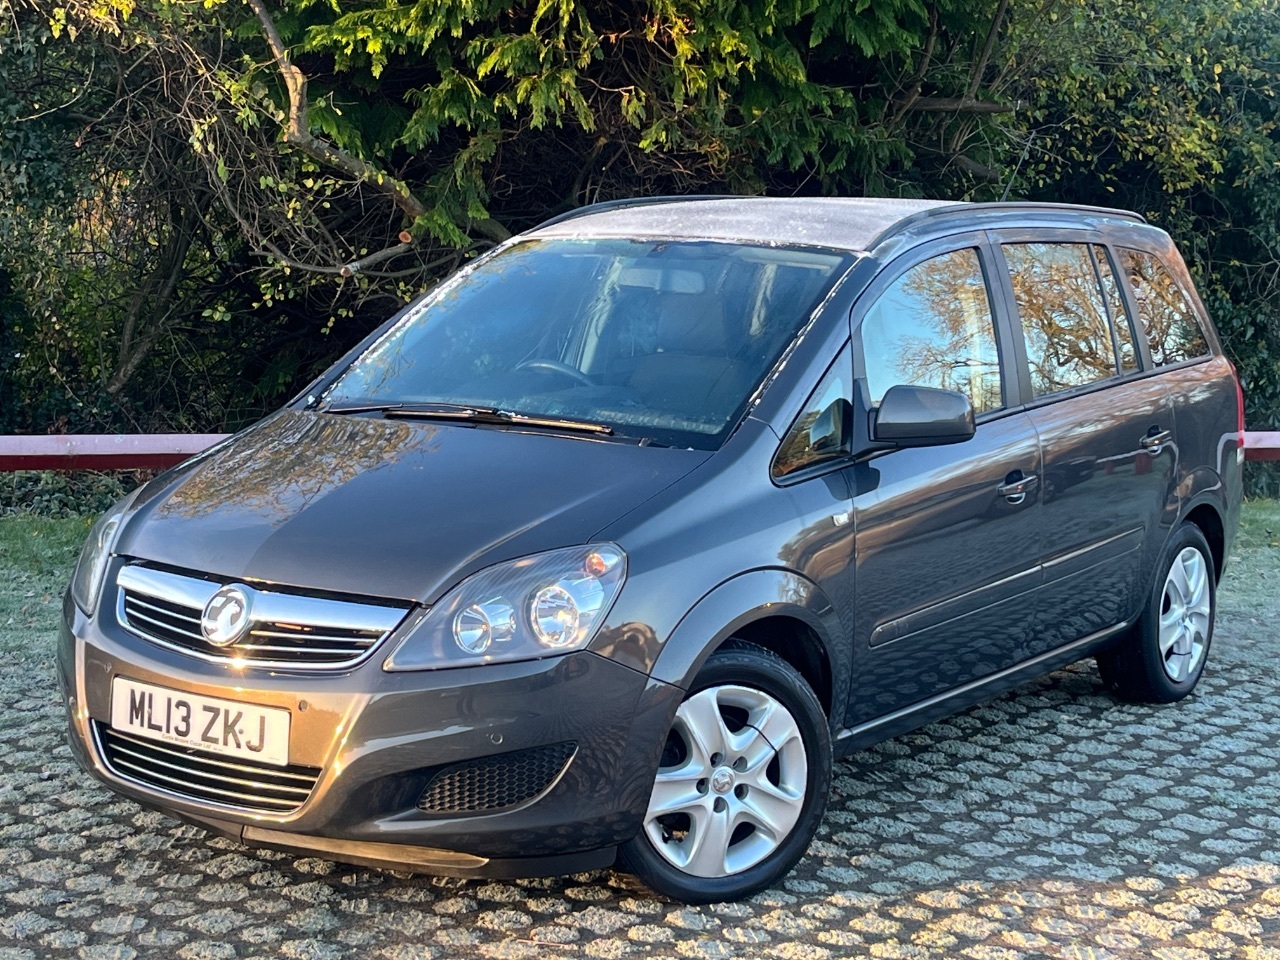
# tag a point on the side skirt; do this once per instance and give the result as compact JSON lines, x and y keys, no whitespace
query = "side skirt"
{"x":958,"y":698}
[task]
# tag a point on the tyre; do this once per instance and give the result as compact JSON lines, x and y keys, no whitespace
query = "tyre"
{"x":1162,"y":658}
{"x":741,"y":785}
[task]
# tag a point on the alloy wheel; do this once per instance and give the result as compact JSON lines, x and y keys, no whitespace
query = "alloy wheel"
{"x":731,"y":783}
{"x":1184,"y":615}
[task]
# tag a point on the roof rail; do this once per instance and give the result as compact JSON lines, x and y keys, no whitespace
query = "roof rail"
{"x":1029,"y":206}
{"x":625,"y":202}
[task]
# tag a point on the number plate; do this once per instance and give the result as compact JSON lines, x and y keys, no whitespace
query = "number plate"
{"x":203,"y":723}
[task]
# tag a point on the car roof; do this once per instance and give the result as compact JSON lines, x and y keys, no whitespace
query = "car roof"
{"x":842,"y":223}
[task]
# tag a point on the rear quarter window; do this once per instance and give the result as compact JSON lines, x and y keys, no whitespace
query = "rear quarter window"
{"x":1164,"y":312}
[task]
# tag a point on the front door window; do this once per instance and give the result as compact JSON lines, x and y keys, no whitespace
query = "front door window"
{"x":933,"y":328}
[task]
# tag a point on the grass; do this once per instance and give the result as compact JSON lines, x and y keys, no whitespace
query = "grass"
{"x":36,"y":559}
{"x":1251,"y":586}
{"x":37,"y":555}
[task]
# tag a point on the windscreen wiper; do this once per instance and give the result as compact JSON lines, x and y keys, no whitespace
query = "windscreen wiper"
{"x":472,"y":414}
{"x":449,"y":411}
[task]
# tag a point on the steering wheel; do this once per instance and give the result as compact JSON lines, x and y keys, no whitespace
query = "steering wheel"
{"x":555,"y":366}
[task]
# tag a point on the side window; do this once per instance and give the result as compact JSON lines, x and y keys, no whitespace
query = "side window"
{"x":798,"y":449}
{"x":1120,"y":319}
{"x":1167,"y":317}
{"x":1064,"y":321}
{"x":933,"y":328}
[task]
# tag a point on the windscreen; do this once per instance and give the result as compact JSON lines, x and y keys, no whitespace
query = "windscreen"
{"x":659,"y":340}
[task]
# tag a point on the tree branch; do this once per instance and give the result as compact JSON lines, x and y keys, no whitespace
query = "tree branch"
{"x":980,"y":67}
{"x":362,"y":266}
{"x":914,"y":85}
{"x":297,"y":133}
{"x":162,"y":286}
{"x":491,"y":229}
{"x":959,"y":105}
{"x":976,"y":169}
{"x":387,"y":253}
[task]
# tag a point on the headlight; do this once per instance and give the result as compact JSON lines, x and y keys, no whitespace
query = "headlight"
{"x":86,"y":582}
{"x":532,"y":607}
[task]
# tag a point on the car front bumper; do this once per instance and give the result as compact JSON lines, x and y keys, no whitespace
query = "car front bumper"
{"x":380,"y":739}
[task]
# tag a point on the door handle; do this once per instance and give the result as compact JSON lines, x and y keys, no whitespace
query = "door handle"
{"x":1153,"y":443}
{"x":1016,"y":486}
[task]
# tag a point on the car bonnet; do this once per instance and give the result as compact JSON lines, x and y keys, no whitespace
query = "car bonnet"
{"x":387,"y":508}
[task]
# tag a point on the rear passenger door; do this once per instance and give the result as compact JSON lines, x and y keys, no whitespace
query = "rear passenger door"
{"x":1198,"y":379}
{"x":947,"y":536}
{"x":1105,"y":429}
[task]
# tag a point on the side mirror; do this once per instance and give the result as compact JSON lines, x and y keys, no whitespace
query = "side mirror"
{"x":830,"y":434}
{"x":911,"y":416}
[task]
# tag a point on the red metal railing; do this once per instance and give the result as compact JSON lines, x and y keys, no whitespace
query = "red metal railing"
{"x":155,"y":451}
{"x":1261,"y":445}
{"x":161,"y":450}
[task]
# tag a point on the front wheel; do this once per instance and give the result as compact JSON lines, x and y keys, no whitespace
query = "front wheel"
{"x":741,"y":785}
{"x":1163,"y":656}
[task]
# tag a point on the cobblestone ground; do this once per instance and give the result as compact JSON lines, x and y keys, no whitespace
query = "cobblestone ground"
{"x":1052,"y":822}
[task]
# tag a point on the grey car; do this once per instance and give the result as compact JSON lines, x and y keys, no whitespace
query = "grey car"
{"x":605,"y":548}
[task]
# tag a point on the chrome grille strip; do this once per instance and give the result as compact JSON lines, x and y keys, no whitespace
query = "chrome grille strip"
{"x":253,"y":799}
{"x":316,"y":612}
{"x":211,"y":759}
{"x":176,"y":589}
{"x":135,"y":615}
{"x":137,"y":601}
{"x":327,"y":637}
{"x":302,"y":632}
{"x":325,"y":651}
{"x":182,"y":774}
{"x":117,"y":750}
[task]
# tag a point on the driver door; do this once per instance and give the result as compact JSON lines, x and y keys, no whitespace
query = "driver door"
{"x":947,"y":556}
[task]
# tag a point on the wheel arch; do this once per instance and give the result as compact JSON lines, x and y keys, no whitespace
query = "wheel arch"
{"x":775,"y":609}
{"x":1207,"y":515}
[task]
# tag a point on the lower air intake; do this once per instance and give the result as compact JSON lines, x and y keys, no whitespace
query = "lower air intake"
{"x":496,"y":783}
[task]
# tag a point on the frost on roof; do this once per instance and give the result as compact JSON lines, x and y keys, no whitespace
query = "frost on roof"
{"x":841,"y":222}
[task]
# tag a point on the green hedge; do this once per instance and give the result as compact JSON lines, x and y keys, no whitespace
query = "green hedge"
{"x":44,"y":493}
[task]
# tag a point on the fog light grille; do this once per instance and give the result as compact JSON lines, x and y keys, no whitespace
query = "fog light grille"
{"x":496,"y":783}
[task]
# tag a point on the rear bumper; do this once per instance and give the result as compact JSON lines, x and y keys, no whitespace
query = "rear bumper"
{"x":380,"y":739}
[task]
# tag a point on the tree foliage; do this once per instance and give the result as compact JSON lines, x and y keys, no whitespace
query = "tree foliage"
{"x":204,"y":201}
{"x":1173,"y":110}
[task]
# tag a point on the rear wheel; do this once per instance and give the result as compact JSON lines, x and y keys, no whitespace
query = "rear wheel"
{"x":741,"y":785}
{"x":1162,"y":659}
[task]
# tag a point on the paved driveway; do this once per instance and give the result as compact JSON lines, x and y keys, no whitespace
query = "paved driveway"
{"x":1052,"y":822}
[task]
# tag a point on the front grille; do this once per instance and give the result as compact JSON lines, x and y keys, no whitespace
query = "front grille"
{"x":199,"y":775}
{"x":287,"y":629}
{"x":294,"y":643}
{"x":496,"y":783}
